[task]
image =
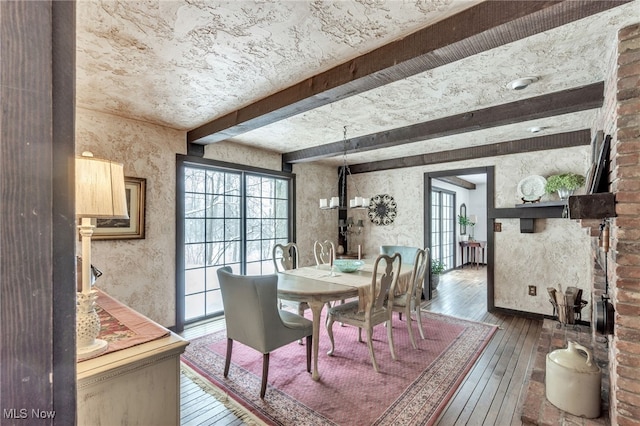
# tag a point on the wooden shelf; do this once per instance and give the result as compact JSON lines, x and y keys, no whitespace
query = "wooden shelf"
{"x":542,"y":204}
{"x":592,"y":206}
{"x":540,"y":212}
{"x":528,"y":212}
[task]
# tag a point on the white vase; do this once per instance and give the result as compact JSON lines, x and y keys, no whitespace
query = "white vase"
{"x":565,"y":193}
{"x":435,"y":280}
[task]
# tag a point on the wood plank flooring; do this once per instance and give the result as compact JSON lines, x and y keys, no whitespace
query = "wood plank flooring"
{"x":492,"y":393}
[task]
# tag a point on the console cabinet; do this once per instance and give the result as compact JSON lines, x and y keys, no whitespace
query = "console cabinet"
{"x":139,"y":385}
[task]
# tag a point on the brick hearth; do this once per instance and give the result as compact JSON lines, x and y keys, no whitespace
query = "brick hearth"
{"x":537,"y":409}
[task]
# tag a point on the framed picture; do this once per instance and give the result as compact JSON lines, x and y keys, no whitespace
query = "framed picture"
{"x":122,"y":229}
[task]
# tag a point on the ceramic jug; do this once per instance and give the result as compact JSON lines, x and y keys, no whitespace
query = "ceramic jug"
{"x":572,"y":381}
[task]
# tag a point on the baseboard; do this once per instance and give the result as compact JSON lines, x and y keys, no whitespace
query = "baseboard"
{"x":532,"y":315}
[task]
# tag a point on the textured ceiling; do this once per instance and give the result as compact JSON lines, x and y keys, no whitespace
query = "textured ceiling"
{"x":182,"y":64}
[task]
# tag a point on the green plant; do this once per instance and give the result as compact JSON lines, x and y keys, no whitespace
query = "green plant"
{"x":437,"y":267}
{"x":465,"y":221}
{"x":569,"y":181}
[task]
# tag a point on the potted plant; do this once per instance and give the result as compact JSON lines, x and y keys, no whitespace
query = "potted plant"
{"x":465,"y":221}
{"x":564,"y":184}
{"x":437,"y":268}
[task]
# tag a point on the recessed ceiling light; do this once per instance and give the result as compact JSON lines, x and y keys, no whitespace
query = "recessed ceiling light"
{"x":536,"y":129}
{"x":522,"y":83}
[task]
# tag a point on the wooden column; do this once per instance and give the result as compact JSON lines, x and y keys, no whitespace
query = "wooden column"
{"x":37,"y":225}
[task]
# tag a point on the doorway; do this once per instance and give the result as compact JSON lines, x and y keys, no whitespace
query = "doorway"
{"x":478,"y":205}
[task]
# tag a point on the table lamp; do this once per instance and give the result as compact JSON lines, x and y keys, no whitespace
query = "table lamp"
{"x":100,"y":194}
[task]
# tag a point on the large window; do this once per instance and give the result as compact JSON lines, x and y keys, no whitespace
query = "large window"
{"x":231,"y":217}
{"x":443,"y":204}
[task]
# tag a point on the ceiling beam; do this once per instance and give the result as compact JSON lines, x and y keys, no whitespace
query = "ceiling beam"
{"x":540,"y":143}
{"x":564,"y":102}
{"x":477,"y":29}
{"x":454,"y":180}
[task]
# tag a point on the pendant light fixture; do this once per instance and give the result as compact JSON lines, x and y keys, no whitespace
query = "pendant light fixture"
{"x":357,"y":202}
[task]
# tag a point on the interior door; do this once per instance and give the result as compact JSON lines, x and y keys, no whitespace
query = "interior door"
{"x":443,"y":213}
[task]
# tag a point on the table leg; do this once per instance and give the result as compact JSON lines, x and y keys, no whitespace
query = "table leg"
{"x":316,"y":309}
{"x":476,"y":251}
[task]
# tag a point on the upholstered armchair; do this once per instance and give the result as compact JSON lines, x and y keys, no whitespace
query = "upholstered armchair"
{"x":252,"y":318}
{"x":408,"y":253}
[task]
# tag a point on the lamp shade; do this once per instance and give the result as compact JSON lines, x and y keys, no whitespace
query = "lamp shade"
{"x":100,"y":191}
{"x":473,"y":218}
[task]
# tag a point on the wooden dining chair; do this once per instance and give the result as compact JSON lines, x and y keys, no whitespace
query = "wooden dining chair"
{"x":405,"y":303}
{"x":252,"y":318}
{"x":285,"y":257}
{"x":378,"y":305}
{"x":322,"y":251}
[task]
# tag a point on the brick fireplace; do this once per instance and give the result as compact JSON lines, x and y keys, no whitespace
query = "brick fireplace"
{"x":618,"y":354}
{"x":623,"y":123}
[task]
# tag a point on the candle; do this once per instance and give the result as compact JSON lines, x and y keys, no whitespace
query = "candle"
{"x":359,"y":252}
{"x":331,"y":254}
{"x":335,"y":202}
{"x":323,"y":203}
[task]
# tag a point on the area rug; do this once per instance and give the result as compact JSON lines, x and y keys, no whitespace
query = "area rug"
{"x":411,"y":390}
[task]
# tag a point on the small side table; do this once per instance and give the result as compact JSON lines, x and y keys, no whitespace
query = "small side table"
{"x":474,"y":248}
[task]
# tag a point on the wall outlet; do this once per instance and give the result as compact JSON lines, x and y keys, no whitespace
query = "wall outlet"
{"x":497,"y":227}
{"x":533,"y":290}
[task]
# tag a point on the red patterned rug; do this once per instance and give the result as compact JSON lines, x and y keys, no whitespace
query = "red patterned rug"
{"x":412,"y":390}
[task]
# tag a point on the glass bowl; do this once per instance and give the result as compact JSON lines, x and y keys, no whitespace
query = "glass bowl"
{"x":348,"y":265}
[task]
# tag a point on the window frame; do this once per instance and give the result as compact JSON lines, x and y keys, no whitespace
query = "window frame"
{"x":451,"y":233}
{"x":184,"y":161}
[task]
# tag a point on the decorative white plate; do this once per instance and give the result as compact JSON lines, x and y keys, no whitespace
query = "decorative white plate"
{"x":531,"y":188}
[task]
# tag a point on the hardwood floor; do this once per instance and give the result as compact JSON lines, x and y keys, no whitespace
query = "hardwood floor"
{"x":492,"y":393}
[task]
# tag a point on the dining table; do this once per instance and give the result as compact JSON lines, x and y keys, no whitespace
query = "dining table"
{"x":317,"y":285}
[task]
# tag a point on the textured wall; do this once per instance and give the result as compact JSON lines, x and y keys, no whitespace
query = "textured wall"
{"x":556,"y":254}
{"x":140,"y":273}
{"x":313,"y":182}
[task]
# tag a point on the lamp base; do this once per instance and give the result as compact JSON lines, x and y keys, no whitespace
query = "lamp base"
{"x":96,"y":348}
{"x":88,"y":327}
